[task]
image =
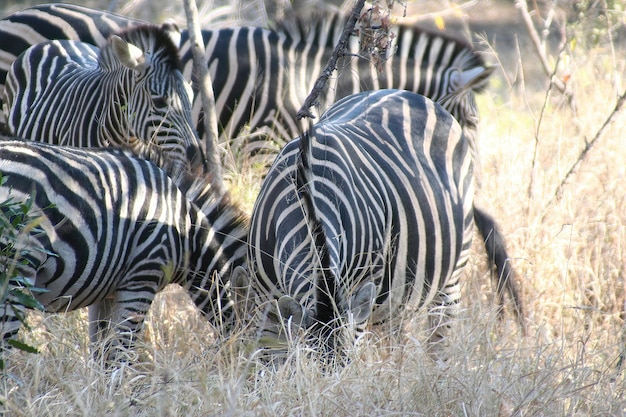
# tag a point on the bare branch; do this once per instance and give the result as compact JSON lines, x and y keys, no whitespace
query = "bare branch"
{"x":534,"y":37}
{"x":205,"y":89}
{"x":340,"y":50}
{"x":586,"y":149}
{"x":541,"y":53}
{"x":533,"y":168}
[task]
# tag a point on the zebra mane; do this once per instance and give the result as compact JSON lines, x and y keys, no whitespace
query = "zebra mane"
{"x":325,"y":287}
{"x":299,"y":26}
{"x":155,"y":39}
{"x":201,"y":192}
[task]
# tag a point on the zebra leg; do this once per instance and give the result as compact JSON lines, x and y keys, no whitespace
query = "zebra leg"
{"x":10,"y":321}
{"x":100,"y":314}
{"x":243,"y":302}
{"x":441,"y":312}
{"x":9,"y":326}
{"x":12,"y":307}
{"x":496,"y":251}
{"x":102,"y":339}
{"x":117,"y":320}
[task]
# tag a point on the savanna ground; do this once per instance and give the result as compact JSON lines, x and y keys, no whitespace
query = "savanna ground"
{"x":569,"y":255}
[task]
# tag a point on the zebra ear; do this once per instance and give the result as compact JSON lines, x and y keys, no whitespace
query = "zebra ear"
{"x":289,"y":307}
{"x":128,"y":54}
{"x":362,"y":302}
{"x":171,"y":28}
{"x":475,"y":78}
{"x":240,"y":282}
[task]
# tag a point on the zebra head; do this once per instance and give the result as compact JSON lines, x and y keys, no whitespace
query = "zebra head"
{"x":154,"y":99}
{"x":328,"y":323}
{"x":334,"y":323}
{"x":459,"y":99}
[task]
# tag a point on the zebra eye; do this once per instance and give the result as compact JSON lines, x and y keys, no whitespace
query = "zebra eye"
{"x":160,"y":102}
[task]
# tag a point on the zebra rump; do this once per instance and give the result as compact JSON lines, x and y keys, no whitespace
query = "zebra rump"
{"x":114,"y":230}
{"x":130,"y":93}
{"x":366,"y":215}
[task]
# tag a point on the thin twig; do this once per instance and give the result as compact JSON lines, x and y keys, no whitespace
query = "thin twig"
{"x":340,"y":49}
{"x":609,"y":33}
{"x":585,"y":151}
{"x":542,"y":113}
{"x":534,"y":37}
{"x":205,"y":89}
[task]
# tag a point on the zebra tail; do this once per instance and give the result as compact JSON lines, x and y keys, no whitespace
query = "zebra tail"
{"x":325,"y":288}
{"x":496,"y":251}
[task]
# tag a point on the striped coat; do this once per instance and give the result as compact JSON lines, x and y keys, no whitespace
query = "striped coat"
{"x":115,"y":231}
{"x":130,"y":93}
{"x":369,"y":212}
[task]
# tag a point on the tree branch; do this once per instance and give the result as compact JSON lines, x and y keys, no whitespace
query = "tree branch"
{"x":587,"y":148}
{"x":339,"y":51}
{"x":534,"y":37}
{"x":205,"y":89}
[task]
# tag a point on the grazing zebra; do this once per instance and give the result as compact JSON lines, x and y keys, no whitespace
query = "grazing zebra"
{"x":130,"y":93}
{"x":261,"y":77}
{"x":114,"y":231}
{"x":366,"y":214}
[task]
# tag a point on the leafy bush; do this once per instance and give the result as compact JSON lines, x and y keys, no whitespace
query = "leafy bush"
{"x":16,"y":291}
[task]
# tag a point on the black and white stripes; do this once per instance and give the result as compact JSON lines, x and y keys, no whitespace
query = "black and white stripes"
{"x":130,"y":93}
{"x":261,"y":77}
{"x":379,"y":192}
{"x":116,"y":230}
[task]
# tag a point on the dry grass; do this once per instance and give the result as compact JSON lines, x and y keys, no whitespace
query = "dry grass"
{"x":570,"y":258}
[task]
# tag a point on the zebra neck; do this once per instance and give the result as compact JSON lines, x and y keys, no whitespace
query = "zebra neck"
{"x":227,"y":224}
{"x":112,"y":110}
{"x":200,"y":191}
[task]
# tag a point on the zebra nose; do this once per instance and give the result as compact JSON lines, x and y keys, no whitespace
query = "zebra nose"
{"x":197,"y":160}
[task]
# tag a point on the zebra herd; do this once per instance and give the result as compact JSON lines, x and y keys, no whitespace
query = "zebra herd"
{"x":367,"y":213}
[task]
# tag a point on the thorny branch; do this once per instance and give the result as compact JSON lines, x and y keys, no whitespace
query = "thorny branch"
{"x":537,"y":43}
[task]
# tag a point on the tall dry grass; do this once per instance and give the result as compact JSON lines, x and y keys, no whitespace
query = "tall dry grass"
{"x":570,"y":259}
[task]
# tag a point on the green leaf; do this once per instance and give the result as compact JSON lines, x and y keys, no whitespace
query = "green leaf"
{"x":22,"y":346}
{"x":26,"y":300}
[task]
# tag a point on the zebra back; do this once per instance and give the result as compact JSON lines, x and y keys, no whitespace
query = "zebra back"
{"x":289,"y":58}
{"x":261,"y":77}
{"x":379,"y":191}
{"x":115,"y":229}
{"x":21,"y":30}
{"x":130,"y":93}
{"x":433,"y":64}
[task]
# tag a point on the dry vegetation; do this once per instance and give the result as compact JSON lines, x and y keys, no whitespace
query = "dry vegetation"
{"x":570,"y":257}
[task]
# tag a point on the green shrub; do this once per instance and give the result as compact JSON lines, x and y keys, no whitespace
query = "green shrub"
{"x":17,"y":292}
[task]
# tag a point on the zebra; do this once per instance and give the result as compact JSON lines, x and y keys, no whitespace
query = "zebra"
{"x":129,"y":93}
{"x":114,"y":229}
{"x":261,"y":76}
{"x":366,"y":214}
